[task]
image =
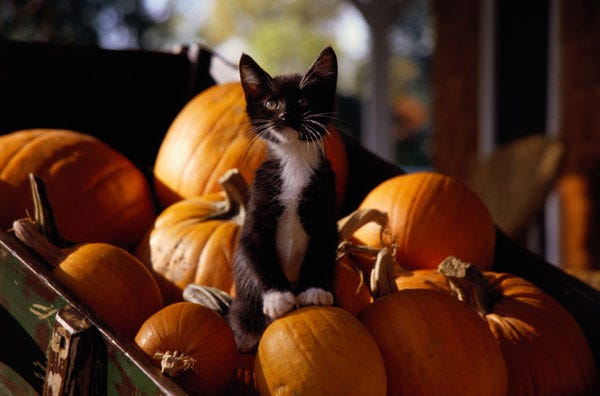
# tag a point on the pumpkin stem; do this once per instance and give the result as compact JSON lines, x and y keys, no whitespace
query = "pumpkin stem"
{"x":236,"y":189}
{"x":27,"y":231}
{"x":174,"y":363}
{"x":385,"y":272}
{"x":346,"y":247}
{"x":469,"y":284}
{"x":40,"y":233}
{"x":43,"y":214}
{"x":351,"y":223}
{"x":386,"y":269}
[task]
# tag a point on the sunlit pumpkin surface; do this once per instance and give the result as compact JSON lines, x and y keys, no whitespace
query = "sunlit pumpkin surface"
{"x":118,"y":288}
{"x":97,"y":194}
{"x":211,"y":135}
{"x":432,"y":216}
{"x":319,"y":351}
{"x":198,"y":333}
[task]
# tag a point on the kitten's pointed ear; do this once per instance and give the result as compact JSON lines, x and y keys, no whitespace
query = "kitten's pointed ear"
{"x":254,"y":79}
{"x":323,"y":70}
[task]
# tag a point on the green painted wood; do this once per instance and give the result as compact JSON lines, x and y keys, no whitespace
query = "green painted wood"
{"x":29,"y":301}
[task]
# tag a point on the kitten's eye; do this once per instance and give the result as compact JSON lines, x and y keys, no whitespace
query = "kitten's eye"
{"x":303,"y":102}
{"x":271,"y":104}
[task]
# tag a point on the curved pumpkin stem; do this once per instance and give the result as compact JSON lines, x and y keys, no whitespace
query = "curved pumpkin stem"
{"x":40,"y":233}
{"x":236,"y":190}
{"x":355,"y":220}
{"x":386,"y":269}
{"x":26,"y":230}
{"x":385,"y":272}
{"x":174,"y":363}
{"x":469,"y":284}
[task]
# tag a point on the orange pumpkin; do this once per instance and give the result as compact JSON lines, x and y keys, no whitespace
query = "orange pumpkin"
{"x":192,"y":344}
{"x":545,"y":351}
{"x":111,"y":281}
{"x":350,"y":291}
{"x":319,"y":350}
{"x":431,"y":216}
{"x":193,"y":240}
{"x":211,"y":135}
{"x":432,"y":344}
{"x":98,"y":194}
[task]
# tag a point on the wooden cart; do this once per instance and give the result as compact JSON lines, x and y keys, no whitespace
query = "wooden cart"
{"x":51,"y":342}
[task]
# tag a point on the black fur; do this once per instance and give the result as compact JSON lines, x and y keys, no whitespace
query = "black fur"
{"x":304,"y":103}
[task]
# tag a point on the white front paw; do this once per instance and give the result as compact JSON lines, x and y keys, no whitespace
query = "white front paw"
{"x":315,"y":296}
{"x":277,"y":303}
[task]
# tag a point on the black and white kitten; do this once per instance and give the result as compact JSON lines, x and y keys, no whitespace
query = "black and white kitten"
{"x":285,"y":256}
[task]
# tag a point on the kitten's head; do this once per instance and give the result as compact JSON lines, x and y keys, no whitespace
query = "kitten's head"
{"x":290,"y":106}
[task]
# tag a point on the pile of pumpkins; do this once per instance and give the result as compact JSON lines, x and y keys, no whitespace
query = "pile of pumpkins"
{"x":418,"y":311}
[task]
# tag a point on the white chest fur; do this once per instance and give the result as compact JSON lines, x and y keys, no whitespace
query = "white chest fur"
{"x":298,"y":160}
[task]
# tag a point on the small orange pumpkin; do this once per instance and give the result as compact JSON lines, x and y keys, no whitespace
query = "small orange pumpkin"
{"x":98,"y":194}
{"x":431,"y":216}
{"x":211,"y":135}
{"x":111,"y":281}
{"x":192,"y":344}
{"x":193,"y":240}
{"x":319,"y":350}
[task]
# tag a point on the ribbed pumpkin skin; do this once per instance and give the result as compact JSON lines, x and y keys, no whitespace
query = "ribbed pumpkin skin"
{"x":199,"y":333}
{"x":185,"y":247}
{"x":432,"y":344}
{"x":545,"y":351}
{"x":433,"y":216}
{"x":319,"y":351}
{"x":113,"y":283}
{"x":211,"y":135}
{"x":98,"y":195}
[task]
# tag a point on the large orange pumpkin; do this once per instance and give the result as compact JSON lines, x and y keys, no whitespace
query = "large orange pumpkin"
{"x":193,"y":344}
{"x":318,"y":350}
{"x":111,"y":281}
{"x":193,"y":240}
{"x":545,"y":351}
{"x":431,"y":216}
{"x":98,"y":195}
{"x":211,"y":135}
{"x":432,"y":344}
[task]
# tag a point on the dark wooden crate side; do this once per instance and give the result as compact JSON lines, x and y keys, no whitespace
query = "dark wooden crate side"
{"x":127,"y":98}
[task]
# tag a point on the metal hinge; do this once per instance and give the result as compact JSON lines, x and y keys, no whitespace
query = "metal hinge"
{"x":72,"y":355}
